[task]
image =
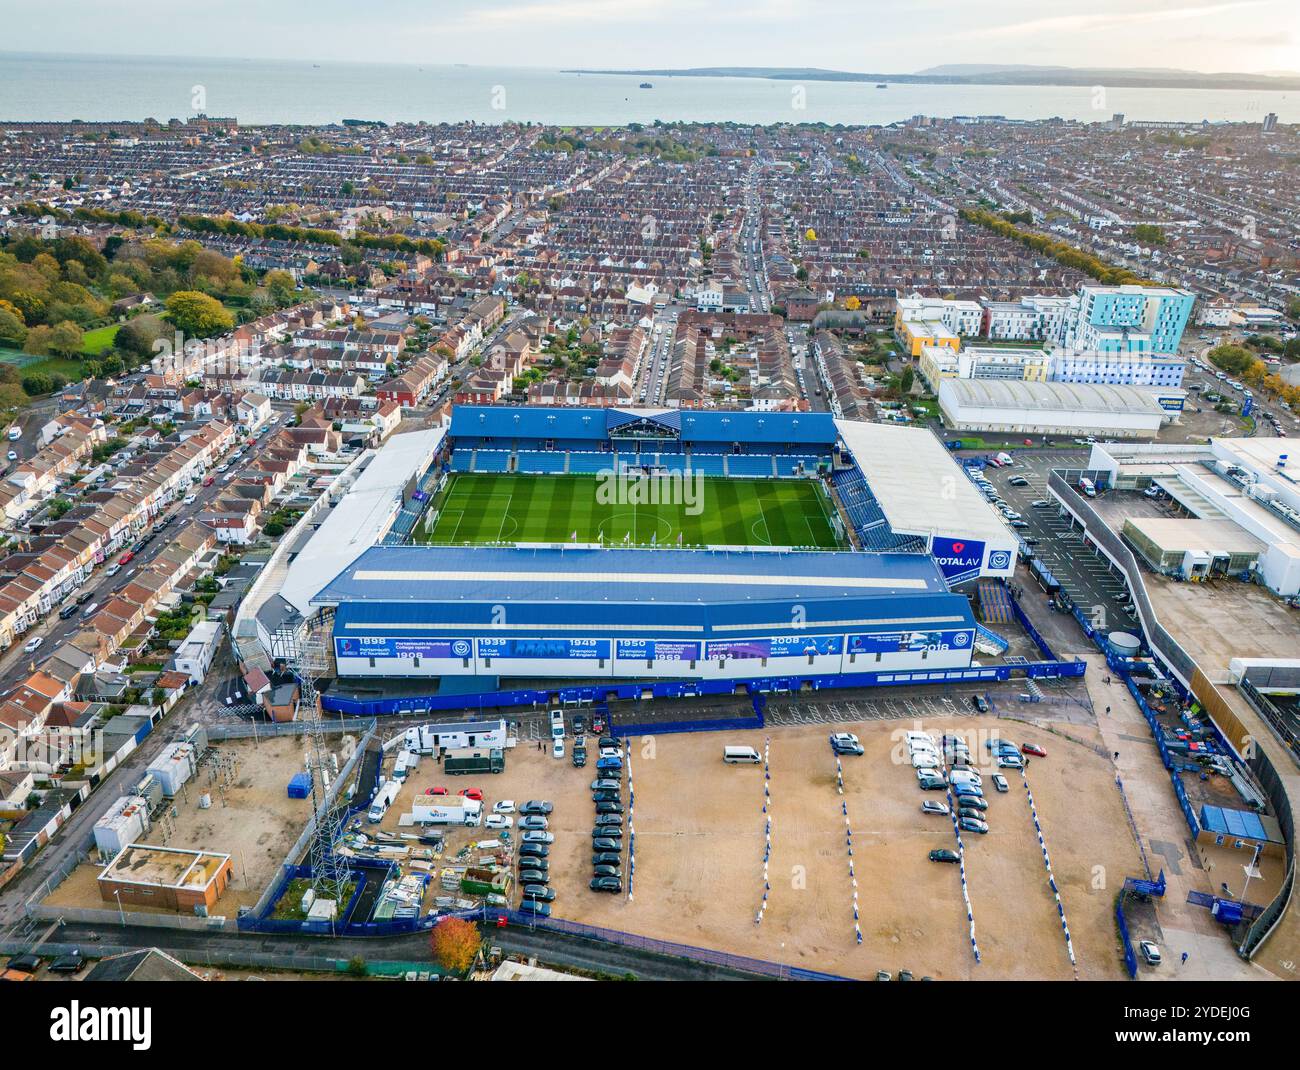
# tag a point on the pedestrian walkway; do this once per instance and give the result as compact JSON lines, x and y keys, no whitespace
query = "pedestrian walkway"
{"x":1165,"y":838}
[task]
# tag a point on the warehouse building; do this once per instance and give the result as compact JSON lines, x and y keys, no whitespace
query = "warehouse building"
{"x":1192,"y":549}
{"x":1027,"y":408}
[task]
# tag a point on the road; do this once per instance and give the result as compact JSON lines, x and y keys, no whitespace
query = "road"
{"x":547,"y":946}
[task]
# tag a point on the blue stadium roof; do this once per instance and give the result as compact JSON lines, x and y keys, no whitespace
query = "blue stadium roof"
{"x":696,"y":425}
{"x":454,"y":589}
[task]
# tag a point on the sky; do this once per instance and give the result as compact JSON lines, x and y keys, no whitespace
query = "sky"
{"x":885,"y":36}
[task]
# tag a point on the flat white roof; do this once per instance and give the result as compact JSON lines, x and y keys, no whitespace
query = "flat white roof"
{"x":1055,"y":397}
{"x":361,"y":517}
{"x":920,"y":487}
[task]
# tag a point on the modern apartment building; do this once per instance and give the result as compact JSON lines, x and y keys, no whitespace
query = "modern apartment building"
{"x":1129,"y":319}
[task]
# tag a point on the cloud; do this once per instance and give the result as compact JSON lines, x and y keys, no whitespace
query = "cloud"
{"x":1106,"y":21}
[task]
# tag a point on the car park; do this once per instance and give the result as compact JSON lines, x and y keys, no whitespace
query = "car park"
{"x":930,"y":806}
{"x":943,"y":854}
{"x":1000,"y":782}
{"x":536,"y":806}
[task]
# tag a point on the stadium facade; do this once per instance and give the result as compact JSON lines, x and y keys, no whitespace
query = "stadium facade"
{"x":486,"y":618}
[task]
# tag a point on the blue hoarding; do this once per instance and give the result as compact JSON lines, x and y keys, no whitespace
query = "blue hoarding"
{"x":657,"y":650}
{"x":384,"y":647}
{"x":897,"y":642}
{"x":568,"y":649}
{"x":782,"y":646}
{"x":958,"y":559}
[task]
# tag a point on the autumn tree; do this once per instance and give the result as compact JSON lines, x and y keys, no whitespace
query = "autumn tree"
{"x":455,"y":944}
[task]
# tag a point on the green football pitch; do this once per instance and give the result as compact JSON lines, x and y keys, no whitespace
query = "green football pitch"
{"x":482,"y":508}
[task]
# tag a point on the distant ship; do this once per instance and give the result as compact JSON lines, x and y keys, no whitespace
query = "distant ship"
{"x":645,"y":85}
{"x":882,"y":85}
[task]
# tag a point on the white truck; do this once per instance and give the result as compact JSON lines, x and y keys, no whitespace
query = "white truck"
{"x":383,"y":799}
{"x":447,"y":810}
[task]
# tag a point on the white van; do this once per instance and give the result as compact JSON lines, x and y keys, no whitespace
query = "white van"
{"x":918,"y":737}
{"x":740,"y":756}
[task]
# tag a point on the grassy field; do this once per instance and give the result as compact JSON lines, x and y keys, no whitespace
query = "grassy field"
{"x":95,"y":342}
{"x":481,"y":508}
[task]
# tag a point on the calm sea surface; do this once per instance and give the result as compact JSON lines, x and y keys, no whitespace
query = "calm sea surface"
{"x":260,"y":91}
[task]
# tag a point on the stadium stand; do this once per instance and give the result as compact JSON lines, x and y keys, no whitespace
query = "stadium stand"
{"x":995,"y":603}
{"x":759,"y":466}
{"x":486,"y":461}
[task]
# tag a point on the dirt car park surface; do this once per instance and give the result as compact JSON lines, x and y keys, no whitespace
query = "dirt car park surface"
{"x":699,"y":846}
{"x":256,"y":823}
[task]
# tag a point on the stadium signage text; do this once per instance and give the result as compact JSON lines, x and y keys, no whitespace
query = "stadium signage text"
{"x":903,"y":642}
{"x":567,"y":649}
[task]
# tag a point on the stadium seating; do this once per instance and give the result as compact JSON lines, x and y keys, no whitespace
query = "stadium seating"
{"x":540,"y":462}
{"x":868,"y":520}
{"x":462,"y":460}
{"x":758,"y":466}
{"x":490,"y":461}
{"x":709,"y":465}
{"x":591,"y":463}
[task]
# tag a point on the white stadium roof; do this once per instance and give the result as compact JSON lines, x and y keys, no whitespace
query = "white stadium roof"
{"x":362,"y":517}
{"x":921,"y":489}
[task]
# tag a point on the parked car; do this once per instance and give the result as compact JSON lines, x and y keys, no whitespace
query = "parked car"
{"x":189,"y":499}
{"x":532,"y":906}
{"x":933,"y":783}
{"x":1149,"y":950}
{"x":609,"y":807}
{"x":605,"y":843}
{"x":610,"y":762}
{"x":606,"y":858}
{"x":498,"y":821}
{"x":943,"y":854}
{"x":533,"y":850}
{"x":579,"y":757}
{"x":980,"y":703}
{"x":112,"y":570}
{"x":536,"y":806}
{"x":1010,"y":761}
{"x":975,"y":802}
{"x":471,"y":793}
{"x":533,"y":876}
{"x":437,"y":790}
{"x":70,"y":610}
{"x":605,"y":796}
{"x":126,"y":558}
{"x":607,"y":871}
{"x":603,"y":784}
{"x":579,"y":724}
{"x":607,"y":832}
{"x":970,"y":811}
{"x":613,"y":820}
{"x":930,"y":806}
{"x":1034,"y":749}
{"x":845,"y":743}
{"x":505,"y":806}
{"x":541,"y":892}
{"x":972,"y":824}
{"x":532,"y":836}
{"x":606,"y":884}
{"x":73,"y":961}
{"x":928,"y":772}
{"x":533,"y":821}
{"x":557,"y":749}
{"x":32,"y":645}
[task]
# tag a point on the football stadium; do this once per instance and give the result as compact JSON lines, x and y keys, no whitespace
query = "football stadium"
{"x":520,"y":555}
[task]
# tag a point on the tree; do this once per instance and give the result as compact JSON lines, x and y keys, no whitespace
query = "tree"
{"x":853,"y":304}
{"x":139,"y":334}
{"x":810,"y":234}
{"x":198,"y":315}
{"x":455,"y":944}
{"x":12,"y":330}
{"x":1233,"y":359}
{"x":906,"y":380}
{"x":65,"y":339}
